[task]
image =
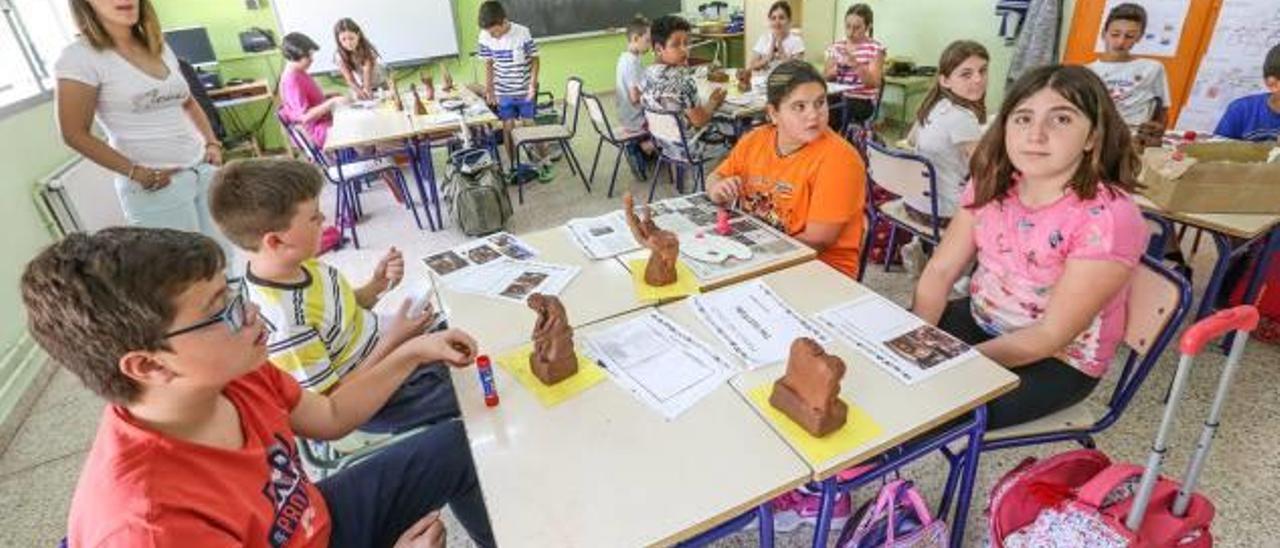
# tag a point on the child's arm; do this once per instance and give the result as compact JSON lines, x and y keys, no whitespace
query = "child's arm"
{"x":950,"y":260}
{"x":489,"y":95}
{"x":701,"y":115}
{"x":347,"y":76}
{"x":534,"y":65}
{"x":332,"y":416}
{"x":1086,"y":286}
{"x":366,"y":91}
{"x":388,"y":273}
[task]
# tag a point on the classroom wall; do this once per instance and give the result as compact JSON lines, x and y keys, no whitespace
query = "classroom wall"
{"x":30,"y":148}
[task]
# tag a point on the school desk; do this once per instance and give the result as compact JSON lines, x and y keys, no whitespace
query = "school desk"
{"x":602,"y":289}
{"x":903,"y":412}
{"x":379,"y":123}
{"x":604,"y":469}
{"x":1233,"y":235}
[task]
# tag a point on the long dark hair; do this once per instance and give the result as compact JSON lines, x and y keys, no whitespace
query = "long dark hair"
{"x":1112,"y":162}
{"x":365,"y":52}
{"x":952,"y":57}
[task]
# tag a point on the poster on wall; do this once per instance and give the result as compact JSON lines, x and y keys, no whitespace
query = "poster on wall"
{"x":1232,"y":66}
{"x":1165,"y":19}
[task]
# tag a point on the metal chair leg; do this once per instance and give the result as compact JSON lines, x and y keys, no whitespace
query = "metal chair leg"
{"x":595,"y":161}
{"x":653,"y":179}
{"x":515,"y":170}
{"x":582,"y":174}
{"x":613,"y":179}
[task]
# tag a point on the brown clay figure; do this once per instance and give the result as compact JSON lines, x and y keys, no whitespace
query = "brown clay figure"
{"x":663,"y":245}
{"x":744,"y":80}
{"x":553,"y":358}
{"x":808,"y":392}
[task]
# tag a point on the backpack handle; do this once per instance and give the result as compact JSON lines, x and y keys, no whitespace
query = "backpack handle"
{"x":1094,"y":491}
{"x":887,"y":504}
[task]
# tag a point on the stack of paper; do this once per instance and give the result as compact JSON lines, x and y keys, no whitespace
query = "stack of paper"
{"x":901,"y":343}
{"x":755,"y":322}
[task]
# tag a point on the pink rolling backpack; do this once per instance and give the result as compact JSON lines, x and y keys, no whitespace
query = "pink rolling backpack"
{"x":1082,"y":498}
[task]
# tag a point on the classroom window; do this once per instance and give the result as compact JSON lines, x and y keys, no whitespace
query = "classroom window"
{"x":32,"y":33}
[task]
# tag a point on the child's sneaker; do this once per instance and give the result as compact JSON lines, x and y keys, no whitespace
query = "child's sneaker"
{"x":796,"y":508}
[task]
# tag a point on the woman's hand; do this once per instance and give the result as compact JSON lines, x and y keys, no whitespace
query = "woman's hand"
{"x":364,"y":94}
{"x":213,"y":153}
{"x":152,"y":179}
{"x":726,"y":190}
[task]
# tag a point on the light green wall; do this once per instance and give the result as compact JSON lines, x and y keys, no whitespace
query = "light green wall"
{"x":30,"y":148}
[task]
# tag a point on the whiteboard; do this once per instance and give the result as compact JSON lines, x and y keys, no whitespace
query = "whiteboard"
{"x":402,"y":30}
{"x":1232,"y":67}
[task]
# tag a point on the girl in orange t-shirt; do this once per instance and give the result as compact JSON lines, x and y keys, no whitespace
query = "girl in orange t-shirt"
{"x":796,"y":173}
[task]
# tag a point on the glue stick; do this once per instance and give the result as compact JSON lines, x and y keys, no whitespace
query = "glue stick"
{"x":485,"y":368}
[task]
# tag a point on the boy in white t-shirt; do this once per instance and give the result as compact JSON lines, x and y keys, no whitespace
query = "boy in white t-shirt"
{"x":1138,"y":86}
{"x":779,"y":44}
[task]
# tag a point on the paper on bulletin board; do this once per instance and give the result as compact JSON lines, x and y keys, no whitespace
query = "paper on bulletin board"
{"x":1165,"y":19}
{"x":686,"y":283}
{"x":1231,"y":68}
{"x":859,"y":428}
{"x":516,"y":363}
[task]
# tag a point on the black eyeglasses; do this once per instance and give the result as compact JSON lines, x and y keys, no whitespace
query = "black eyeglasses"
{"x":233,"y":315}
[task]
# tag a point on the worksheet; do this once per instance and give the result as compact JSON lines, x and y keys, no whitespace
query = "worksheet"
{"x":755,"y":322}
{"x":658,"y":362}
{"x":514,"y":280}
{"x":896,"y":340}
{"x":460,"y":260}
{"x":688,"y":216}
{"x":603,"y":237}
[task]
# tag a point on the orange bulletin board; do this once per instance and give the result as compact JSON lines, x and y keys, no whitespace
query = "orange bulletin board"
{"x":1202,"y":17}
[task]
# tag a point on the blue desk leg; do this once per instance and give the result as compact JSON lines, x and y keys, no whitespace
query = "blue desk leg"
{"x":822,"y":529}
{"x":415,"y":162}
{"x":1223,"y":243}
{"x":764,"y":514}
{"x":968,"y":475}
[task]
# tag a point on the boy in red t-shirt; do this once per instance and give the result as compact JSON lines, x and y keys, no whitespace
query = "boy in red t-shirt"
{"x":198,"y":445}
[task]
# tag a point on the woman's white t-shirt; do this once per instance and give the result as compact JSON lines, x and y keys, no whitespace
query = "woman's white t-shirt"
{"x":143,"y":116}
{"x":942,"y":139}
{"x":792,"y":46}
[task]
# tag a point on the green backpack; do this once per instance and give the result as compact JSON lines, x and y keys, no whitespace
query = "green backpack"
{"x":475,"y":192}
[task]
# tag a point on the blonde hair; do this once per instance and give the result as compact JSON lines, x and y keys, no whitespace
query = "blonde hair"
{"x":146,"y":30}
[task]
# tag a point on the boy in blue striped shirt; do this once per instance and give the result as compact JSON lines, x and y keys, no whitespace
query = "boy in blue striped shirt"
{"x":511,"y":68}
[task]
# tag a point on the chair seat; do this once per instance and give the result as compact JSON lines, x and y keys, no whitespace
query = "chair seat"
{"x":628,"y":134}
{"x":1080,"y":416}
{"x":897,"y":210}
{"x":530,"y":134}
{"x":363,"y":168}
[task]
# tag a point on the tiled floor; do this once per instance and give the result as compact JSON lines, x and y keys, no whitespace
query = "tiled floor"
{"x":39,"y":469}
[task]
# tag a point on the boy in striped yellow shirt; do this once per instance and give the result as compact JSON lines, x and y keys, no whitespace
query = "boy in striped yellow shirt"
{"x":321,"y":330}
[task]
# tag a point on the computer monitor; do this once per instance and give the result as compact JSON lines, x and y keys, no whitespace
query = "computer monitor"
{"x":191,"y":44}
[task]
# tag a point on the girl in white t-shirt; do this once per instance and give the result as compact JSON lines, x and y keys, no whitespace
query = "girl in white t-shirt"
{"x":949,"y":125}
{"x":159,"y":141}
{"x":779,"y":45}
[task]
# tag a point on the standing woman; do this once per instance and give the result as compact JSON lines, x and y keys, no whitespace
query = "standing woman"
{"x":780,"y":44}
{"x":858,"y":61}
{"x":159,"y":141}
{"x":357,"y":59}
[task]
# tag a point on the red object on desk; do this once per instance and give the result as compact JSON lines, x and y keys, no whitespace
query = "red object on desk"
{"x":485,"y":368}
{"x":722,"y":222}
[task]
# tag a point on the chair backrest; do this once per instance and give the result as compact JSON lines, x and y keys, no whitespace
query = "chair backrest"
{"x":599,"y":119}
{"x":1161,"y":231}
{"x":1158,"y":301}
{"x":572,"y":101}
{"x":908,"y":175}
{"x":302,"y":142}
{"x":667,"y":130}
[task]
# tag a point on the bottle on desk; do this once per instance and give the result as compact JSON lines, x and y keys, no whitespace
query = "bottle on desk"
{"x":485,"y":369}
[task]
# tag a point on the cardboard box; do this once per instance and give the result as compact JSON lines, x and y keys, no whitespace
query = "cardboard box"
{"x":1223,"y":177}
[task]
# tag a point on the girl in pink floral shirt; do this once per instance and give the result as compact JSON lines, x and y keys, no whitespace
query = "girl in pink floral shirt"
{"x":1056,"y":235}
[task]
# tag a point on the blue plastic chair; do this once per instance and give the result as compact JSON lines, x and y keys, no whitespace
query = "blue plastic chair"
{"x":671,"y":136}
{"x":907,"y":175}
{"x":627,"y":143}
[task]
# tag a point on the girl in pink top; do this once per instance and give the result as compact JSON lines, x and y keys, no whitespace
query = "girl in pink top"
{"x":301,"y":99}
{"x":857,"y":60}
{"x":1050,"y":218}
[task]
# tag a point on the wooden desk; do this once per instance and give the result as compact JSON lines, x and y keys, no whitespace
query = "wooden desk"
{"x":601,"y":290}
{"x":603,"y":469}
{"x":737,"y":109}
{"x":353,"y":127}
{"x":902,"y":411}
{"x":1237,"y":225}
{"x":256,"y":89}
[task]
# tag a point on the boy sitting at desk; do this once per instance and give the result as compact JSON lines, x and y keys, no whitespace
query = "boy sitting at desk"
{"x":197,"y":445}
{"x":669,"y":85}
{"x":320,"y":330}
{"x":1256,"y":117}
{"x":1138,"y":86}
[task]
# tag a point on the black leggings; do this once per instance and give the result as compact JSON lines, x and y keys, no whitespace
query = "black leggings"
{"x":1045,"y":387}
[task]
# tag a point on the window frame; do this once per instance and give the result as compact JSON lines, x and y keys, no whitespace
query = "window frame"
{"x":46,"y":82}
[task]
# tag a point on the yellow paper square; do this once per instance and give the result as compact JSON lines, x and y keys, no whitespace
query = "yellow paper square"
{"x":686,"y":283}
{"x":516,"y":363}
{"x":857,"y":430}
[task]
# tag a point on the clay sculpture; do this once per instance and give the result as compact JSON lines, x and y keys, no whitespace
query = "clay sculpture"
{"x":553,"y":358}
{"x":808,"y":392}
{"x":744,"y":80}
{"x":663,"y":245}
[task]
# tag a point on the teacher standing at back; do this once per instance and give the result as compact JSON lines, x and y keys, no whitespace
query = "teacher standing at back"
{"x":159,"y":142}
